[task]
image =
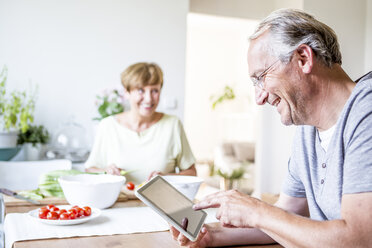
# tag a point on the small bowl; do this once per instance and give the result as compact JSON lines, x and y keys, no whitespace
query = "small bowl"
{"x":187,"y":185}
{"x":97,"y":191}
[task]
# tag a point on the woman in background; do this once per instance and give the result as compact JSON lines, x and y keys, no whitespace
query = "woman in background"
{"x":141,"y":140}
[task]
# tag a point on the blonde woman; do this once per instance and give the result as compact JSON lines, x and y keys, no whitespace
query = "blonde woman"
{"x":141,"y":140}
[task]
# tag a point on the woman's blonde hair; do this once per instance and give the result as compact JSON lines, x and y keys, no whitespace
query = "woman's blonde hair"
{"x":141,"y":74}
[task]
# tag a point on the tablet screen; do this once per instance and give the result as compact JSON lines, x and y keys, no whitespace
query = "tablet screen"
{"x":174,"y":204}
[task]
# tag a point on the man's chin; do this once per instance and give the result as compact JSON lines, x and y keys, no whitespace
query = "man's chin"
{"x":286,"y":121}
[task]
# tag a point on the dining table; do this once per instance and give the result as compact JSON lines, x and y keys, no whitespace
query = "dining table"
{"x":126,"y":200}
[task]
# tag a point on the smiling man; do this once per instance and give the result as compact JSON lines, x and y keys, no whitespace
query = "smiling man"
{"x":326,"y":200}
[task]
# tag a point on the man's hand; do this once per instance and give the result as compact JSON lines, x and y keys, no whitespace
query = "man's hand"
{"x":185,"y":223}
{"x":203,"y":240}
{"x":235,"y":209}
{"x":113,"y":169}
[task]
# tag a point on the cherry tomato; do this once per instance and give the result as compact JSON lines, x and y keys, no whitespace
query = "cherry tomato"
{"x":52,"y":215}
{"x":64,"y":216}
{"x":50,"y":206}
{"x":43,"y":212}
{"x":54,"y":209}
{"x":51,"y":212}
{"x":72,"y":215}
{"x":80,"y":212}
{"x":72,"y":210}
{"x":130,"y":186}
{"x":61,"y":211}
{"x":87,"y":211}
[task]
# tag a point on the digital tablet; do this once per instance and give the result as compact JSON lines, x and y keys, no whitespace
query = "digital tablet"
{"x":172,"y":205}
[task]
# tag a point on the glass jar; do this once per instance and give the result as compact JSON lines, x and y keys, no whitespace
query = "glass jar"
{"x":70,"y":142}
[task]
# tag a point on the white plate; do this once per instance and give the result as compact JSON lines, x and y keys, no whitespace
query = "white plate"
{"x":34,"y":214}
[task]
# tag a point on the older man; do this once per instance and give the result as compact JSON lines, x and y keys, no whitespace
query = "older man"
{"x":326,"y":201}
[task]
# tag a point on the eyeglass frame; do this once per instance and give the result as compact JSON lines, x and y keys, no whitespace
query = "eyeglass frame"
{"x":259,"y":80}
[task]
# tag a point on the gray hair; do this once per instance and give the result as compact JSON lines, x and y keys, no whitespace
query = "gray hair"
{"x":290,"y":28}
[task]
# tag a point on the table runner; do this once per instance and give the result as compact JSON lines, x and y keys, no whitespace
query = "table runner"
{"x":19,"y":227}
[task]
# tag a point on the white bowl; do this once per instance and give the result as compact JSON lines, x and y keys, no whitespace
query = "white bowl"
{"x":97,"y":191}
{"x":187,"y":185}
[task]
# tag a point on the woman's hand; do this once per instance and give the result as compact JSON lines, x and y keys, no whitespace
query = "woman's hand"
{"x":204,"y":238}
{"x":113,"y":170}
{"x":154,"y":173}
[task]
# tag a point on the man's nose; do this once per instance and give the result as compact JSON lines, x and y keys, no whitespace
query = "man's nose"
{"x":261,"y":96}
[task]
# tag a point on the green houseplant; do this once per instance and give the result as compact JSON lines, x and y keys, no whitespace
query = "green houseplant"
{"x":34,"y":135}
{"x":33,"y":140}
{"x":16,"y":112}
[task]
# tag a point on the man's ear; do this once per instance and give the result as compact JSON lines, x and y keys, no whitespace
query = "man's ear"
{"x":306,"y":58}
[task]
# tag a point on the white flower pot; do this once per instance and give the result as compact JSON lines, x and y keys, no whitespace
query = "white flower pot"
{"x":32,"y":153}
{"x":227,"y":184}
{"x":8,"y":139}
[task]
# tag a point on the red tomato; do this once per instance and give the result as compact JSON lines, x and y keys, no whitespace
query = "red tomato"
{"x":50,"y":206}
{"x":54,"y":209}
{"x":87,"y":211}
{"x":52,"y":216}
{"x":61,"y":211}
{"x":43,"y":212}
{"x":76,"y":206}
{"x":72,"y":215}
{"x":64,"y":216}
{"x":130,"y":186}
{"x":80,"y":212}
{"x":72,"y":210}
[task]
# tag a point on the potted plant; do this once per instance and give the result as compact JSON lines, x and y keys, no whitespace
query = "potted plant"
{"x":33,"y":140}
{"x":16,"y":112}
{"x":231,"y":177}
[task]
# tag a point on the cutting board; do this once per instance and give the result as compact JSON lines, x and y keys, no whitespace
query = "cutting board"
{"x":14,"y":202}
{"x":129,"y":194}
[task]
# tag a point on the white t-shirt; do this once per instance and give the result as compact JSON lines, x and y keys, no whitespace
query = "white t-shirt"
{"x":161,"y":147}
{"x":326,"y":136}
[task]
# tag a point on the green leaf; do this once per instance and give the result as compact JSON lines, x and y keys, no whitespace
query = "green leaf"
{"x":228,"y":94}
{"x":236,"y":174}
{"x":16,"y":107}
{"x":34,"y":135}
{"x":32,"y":194}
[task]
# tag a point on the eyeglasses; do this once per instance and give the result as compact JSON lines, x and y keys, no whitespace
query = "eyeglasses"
{"x":259,"y":80}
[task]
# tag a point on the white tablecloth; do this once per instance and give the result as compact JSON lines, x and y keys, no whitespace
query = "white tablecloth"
{"x":112,"y":221}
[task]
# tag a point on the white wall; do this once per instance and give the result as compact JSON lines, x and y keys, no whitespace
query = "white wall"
{"x":348,"y":20}
{"x":273,"y":150}
{"x":273,"y":139}
{"x":368,"y":46}
{"x":248,"y":9}
{"x":216,"y":57}
{"x":75,"y":48}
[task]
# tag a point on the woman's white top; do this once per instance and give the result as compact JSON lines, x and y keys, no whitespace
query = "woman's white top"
{"x":161,"y":147}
